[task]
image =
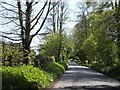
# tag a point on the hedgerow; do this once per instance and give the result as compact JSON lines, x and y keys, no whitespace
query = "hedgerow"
{"x":29,"y":77}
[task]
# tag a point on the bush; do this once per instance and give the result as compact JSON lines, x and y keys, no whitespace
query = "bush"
{"x":54,"y":68}
{"x":114,"y":72}
{"x":24,"y":78}
{"x":65,"y":65}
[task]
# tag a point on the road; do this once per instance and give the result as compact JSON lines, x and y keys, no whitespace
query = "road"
{"x":83,"y":78}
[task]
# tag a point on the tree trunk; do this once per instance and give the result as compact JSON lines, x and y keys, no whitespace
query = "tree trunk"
{"x":10,"y":60}
{"x":26,"y":47}
{"x":53,"y":17}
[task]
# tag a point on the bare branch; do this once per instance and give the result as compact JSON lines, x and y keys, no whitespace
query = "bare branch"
{"x":12,"y":17}
{"x":6,"y":23}
{"x":21,"y":19}
{"x":10,"y":38}
{"x":43,"y":20}
{"x":12,"y":6}
{"x":39,"y":13}
{"x":10,"y":10}
{"x":9,"y":4}
{"x":14,"y":30}
{"x":10,"y":21}
{"x":8,"y":33}
{"x":43,"y":33}
{"x":55,"y":5}
{"x":49,"y":29}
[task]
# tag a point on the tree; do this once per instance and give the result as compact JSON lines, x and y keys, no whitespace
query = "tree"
{"x":58,"y":17}
{"x":27,"y":22}
{"x":101,"y":38}
{"x":56,"y":20}
{"x":117,"y":19}
{"x":81,"y":31}
{"x":52,"y":45}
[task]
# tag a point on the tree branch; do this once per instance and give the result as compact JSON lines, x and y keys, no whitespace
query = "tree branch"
{"x":21,"y":19}
{"x":43,"y":33}
{"x":10,"y":38}
{"x":43,"y":20}
{"x":8,"y":33}
{"x":11,"y":10}
{"x":9,"y":4}
{"x":39,"y":13}
{"x":8,"y":17}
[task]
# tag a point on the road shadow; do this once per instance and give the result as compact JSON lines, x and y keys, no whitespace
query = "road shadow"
{"x":97,"y":87}
{"x":84,"y":78}
{"x":100,"y":87}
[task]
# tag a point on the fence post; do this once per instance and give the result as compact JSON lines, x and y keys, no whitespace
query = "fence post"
{"x":3,"y":48}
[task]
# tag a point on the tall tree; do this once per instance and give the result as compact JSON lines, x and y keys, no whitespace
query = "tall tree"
{"x":28,"y":21}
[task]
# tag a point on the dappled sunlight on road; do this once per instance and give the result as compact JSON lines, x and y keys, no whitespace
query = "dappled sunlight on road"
{"x":80,"y":76}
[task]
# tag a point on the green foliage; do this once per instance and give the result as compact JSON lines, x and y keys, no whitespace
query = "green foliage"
{"x":24,"y":78}
{"x":113,"y":72}
{"x":55,"y":46}
{"x":98,"y":49}
{"x":15,"y":54}
{"x":54,"y":68}
{"x":97,"y":46}
{"x":65,"y":64}
{"x":51,"y":46}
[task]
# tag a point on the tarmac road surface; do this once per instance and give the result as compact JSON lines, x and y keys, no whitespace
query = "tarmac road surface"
{"x":83,"y":78}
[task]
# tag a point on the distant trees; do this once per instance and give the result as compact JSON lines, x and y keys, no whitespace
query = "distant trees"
{"x":51,"y":47}
{"x":100,"y":45}
{"x":57,"y":17}
{"x":56,"y":20}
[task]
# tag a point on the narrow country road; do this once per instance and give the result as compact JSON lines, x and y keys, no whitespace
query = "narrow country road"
{"x":83,"y":78}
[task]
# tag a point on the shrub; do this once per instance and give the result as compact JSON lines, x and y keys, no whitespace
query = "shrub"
{"x":54,"y":68}
{"x":65,"y":65}
{"x":114,"y":72}
{"x":24,"y":78}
